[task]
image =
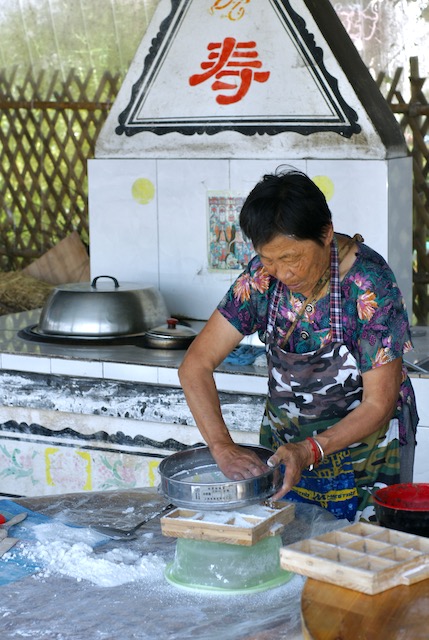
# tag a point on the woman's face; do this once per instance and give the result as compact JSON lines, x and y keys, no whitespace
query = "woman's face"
{"x":297,"y":263}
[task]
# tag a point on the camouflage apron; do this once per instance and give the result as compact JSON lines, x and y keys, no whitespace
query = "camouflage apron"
{"x":309,"y":393}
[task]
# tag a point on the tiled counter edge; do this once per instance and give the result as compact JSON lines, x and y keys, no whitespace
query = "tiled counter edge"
{"x":68,"y":433}
{"x":71,"y":425}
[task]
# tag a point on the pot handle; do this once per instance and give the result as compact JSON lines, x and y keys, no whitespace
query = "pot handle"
{"x":94,"y":282}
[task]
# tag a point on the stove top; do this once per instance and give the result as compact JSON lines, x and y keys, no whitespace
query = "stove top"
{"x":32,"y":334}
{"x":17,"y":337}
{"x":13,"y":340}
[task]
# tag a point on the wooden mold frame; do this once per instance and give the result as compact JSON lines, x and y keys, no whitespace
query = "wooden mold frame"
{"x":244,"y":527}
{"x":363,"y":557}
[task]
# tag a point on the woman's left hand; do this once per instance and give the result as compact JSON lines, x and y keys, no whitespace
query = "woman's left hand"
{"x":295,"y":457}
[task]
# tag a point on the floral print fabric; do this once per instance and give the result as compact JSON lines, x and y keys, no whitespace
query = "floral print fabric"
{"x":375,"y":322}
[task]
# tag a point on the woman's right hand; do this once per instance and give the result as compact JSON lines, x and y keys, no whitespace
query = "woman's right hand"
{"x":236,"y":462}
{"x":206,"y":352}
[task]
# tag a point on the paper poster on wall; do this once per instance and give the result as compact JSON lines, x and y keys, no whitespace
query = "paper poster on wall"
{"x":228,"y":250}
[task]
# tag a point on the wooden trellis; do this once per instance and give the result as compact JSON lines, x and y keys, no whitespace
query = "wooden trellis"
{"x":413,"y":117}
{"x":48,"y":130}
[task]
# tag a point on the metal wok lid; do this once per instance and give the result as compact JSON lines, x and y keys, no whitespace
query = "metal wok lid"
{"x":101,"y":309}
{"x":192,"y":479}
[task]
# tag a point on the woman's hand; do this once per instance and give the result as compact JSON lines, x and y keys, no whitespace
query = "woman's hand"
{"x":206,"y":352}
{"x":295,"y":457}
{"x":238,"y":463}
{"x":380,"y":392}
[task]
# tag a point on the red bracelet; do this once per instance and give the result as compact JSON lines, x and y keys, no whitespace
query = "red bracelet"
{"x":316,"y":452}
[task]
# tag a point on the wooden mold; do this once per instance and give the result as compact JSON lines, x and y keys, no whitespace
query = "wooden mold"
{"x":244,"y":527}
{"x":363,"y":557}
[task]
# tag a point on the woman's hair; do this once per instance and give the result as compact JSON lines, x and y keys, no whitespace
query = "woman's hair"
{"x":285,"y":203}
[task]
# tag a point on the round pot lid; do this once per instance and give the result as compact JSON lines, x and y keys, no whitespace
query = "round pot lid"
{"x":413,"y":496}
{"x":172,"y":329}
{"x":102,"y":309}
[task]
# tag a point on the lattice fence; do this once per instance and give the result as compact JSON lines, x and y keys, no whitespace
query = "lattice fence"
{"x":48,"y":130}
{"x":414,"y":121}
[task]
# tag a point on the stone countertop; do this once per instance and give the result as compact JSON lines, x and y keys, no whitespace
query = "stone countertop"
{"x":134,"y":363}
{"x":52,"y":605}
{"x":12,"y":343}
{"x":104,"y":382}
{"x":125,"y":362}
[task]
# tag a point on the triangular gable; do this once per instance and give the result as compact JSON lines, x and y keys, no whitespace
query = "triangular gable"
{"x":230,"y":64}
{"x":215,"y":72}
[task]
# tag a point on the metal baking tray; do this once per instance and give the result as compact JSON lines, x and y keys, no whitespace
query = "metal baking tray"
{"x":192,"y":479}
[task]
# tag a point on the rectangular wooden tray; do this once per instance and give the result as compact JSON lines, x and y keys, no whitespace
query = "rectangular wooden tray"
{"x":244,"y":527}
{"x":363,"y":557}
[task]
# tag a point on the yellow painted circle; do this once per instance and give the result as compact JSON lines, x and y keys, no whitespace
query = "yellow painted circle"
{"x":143,"y":190}
{"x":325,"y":185}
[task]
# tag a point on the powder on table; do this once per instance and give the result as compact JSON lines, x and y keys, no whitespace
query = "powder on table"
{"x":68,"y":551}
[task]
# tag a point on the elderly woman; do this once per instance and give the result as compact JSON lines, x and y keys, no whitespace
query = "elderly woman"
{"x":340,"y":411}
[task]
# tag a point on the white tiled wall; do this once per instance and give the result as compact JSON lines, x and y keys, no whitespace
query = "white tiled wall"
{"x":123,"y":233}
{"x":182,"y":201}
{"x":359,"y":200}
{"x":165,"y":242}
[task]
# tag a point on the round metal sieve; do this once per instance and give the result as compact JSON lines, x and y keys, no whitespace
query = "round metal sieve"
{"x":192,"y":479}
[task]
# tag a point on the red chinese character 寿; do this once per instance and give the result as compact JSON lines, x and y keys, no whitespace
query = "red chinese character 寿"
{"x":234,"y":60}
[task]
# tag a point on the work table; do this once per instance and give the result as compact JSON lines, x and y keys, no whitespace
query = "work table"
{"x":51,"y":605}
{"x":52,"y":602}
{"x":396,"y":614}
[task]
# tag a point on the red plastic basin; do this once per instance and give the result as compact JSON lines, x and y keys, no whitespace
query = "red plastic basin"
{"x":404,"y":507}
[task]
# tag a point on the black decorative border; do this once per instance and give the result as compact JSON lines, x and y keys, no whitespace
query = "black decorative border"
{"x":119,"y":438}
{"x":240,"y":124}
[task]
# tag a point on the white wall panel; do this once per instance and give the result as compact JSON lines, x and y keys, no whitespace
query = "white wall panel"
{"x":183,"y":185}
{"x":123,"y":231}
{"x":246,"y":173}
{"x":359,"y":198}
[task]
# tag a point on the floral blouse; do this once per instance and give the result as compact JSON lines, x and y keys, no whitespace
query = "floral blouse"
{"x":374,"y":319}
